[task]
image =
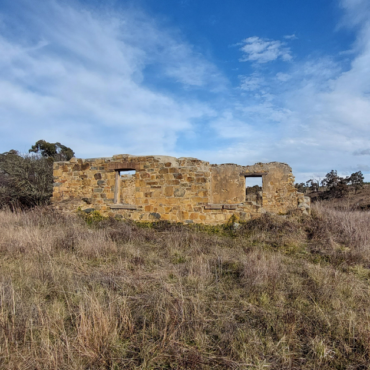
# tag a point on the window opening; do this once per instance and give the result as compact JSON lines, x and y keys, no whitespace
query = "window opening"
{"x":124,"y":190}
{"x":253,"y":189}
{"x":127,"y":173}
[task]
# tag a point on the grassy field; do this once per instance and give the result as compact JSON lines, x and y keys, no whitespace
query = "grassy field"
{"x":276,"y":293}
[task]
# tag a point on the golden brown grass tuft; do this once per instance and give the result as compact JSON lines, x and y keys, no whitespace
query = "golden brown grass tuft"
{"x":277,"y":293}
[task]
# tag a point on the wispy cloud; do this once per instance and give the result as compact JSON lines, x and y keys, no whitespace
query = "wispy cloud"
{"x":291,"y":37}
{"x":79,"y":76}
{"x":315,"y":114}
{"x":357,"y":11}
{"x":251,"y":83}
{"x":283,"y":77}
{"x":106,"y":83}
{"x":261,"y":50}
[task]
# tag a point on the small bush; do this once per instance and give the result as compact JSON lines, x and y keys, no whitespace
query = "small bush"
{"x":25,"y":181}
{"x":91,"y":218}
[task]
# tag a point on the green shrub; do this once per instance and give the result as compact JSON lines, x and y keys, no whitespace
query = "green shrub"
{"x":91,"y":218}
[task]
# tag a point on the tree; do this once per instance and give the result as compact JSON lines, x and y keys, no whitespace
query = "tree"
{"x":357,"y":180}
{"x":336,"y":186}
{"x":331,"y":179}
{"x":341,"y":189}
{"x":253,"y":189}
{"x":313,"y":185}
{"x":55,"y":151}
{"x":25,"y":181}
{"x":301,"y":187}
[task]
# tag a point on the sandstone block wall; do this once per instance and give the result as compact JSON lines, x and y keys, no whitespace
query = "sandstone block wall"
{"x":175,"y":189}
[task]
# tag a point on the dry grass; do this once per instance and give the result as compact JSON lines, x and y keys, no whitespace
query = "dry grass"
{"x":276,"y":294}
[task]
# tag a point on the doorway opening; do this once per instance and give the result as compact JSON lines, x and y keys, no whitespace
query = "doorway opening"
{"x":124,"y":189}
{"x":253,"y":189}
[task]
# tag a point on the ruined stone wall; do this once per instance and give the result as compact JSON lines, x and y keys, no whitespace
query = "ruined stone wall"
{"x":227,"y":184}
{"x":165,"y":188}
{"x":278,"y":192}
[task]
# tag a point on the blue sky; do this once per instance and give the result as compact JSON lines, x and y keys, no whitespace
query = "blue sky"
{"x":228,"y":82}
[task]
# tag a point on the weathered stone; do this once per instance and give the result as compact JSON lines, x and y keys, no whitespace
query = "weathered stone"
{"x":179,"y":190}
{"x":213,"y":206}
{"x":174,"y":182}
{"x":88,"y":210}
{"x":229,"y":206}
{"x":123,"y":206}
{"x":168,"y":191}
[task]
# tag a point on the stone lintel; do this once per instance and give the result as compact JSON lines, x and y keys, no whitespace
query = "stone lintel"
{"x":123,"y":166}
{"x":253,"y":174}
{"x":123,"y":206}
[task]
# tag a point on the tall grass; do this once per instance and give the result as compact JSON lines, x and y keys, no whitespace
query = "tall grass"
{"x":350,"y":226}
{"x":274,"y":294}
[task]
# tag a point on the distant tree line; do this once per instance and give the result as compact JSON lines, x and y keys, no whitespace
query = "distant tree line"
{"x":27,"y":180}
{"x":334,"y":186}
{"x":253,"y":189}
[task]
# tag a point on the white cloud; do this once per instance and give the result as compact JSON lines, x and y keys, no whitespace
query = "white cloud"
{"x":283,"y":77}
{"x":80,"y":78}
{"x":228,"y":126}
{"x":291,"y":37}
{"x":318,"y":120}
{"x":251,"y":83}
{"x":261,"y":50}
{"x":357,"y":11}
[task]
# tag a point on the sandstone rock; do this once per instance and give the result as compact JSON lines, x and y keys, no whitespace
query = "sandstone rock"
{"x":179,"y":190}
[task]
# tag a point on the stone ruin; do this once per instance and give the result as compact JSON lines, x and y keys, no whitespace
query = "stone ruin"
{"x":186,"y":190}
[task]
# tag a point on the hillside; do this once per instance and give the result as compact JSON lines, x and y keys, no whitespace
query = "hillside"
{"x":354,"y":200}
{"x":276,"y":293}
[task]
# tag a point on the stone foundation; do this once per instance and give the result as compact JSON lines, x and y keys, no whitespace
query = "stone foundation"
{"x":184,"y":190}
